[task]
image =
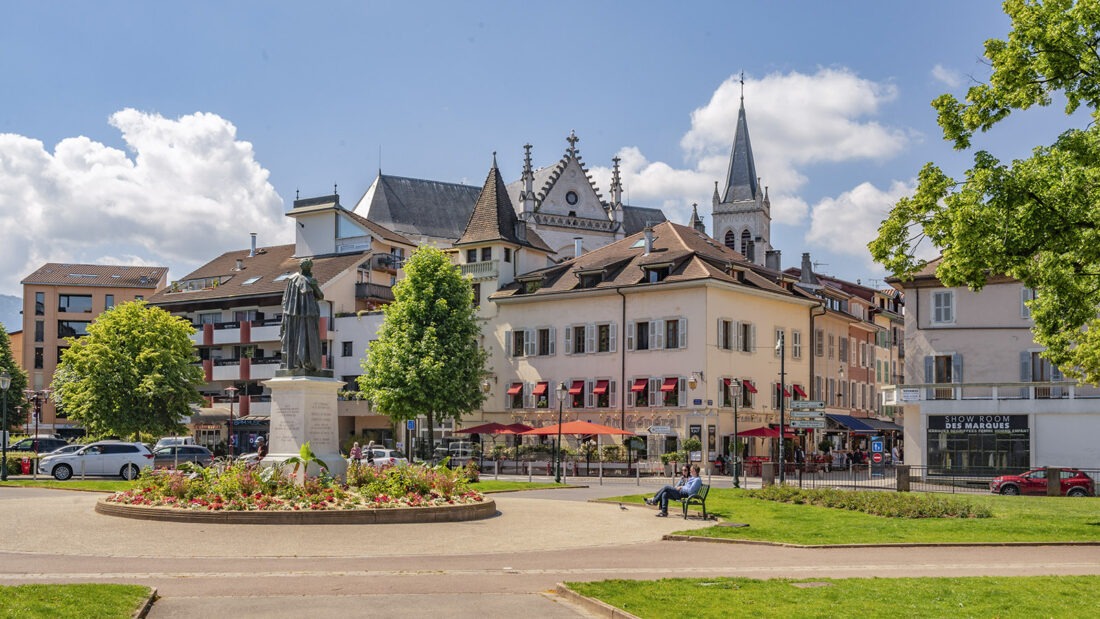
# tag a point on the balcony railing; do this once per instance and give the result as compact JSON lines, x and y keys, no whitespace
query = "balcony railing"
{"x":1062,"y":390}
{"x":374,"y":292}
{"x":481,"y":270}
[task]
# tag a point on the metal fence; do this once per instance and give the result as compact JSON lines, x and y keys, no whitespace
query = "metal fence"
{"x":901,"y":478}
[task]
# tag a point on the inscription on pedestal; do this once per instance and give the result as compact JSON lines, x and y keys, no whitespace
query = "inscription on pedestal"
{"x":286,"y":428}
{"x":322,"y":426}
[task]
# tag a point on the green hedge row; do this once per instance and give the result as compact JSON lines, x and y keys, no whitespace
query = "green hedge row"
{"x":889,"y":504}
{"x":15,"y":459}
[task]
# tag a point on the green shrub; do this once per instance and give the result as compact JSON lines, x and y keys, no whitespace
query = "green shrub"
{"x":888,"y":504}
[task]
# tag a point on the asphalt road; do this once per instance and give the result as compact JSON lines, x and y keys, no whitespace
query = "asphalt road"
{"x":503,"y":566}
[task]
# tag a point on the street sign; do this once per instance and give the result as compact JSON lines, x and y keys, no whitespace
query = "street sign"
{"x":806,"y":404}
{"x":807,"y":423}
{"x":410,"y":424}
{"x":659,"y":430}
{"x":910,"y":394}
{"x":812,"y":414}
{"x":876,"y":457}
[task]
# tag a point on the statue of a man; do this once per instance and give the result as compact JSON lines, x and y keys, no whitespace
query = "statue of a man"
{"x":300,"y":331}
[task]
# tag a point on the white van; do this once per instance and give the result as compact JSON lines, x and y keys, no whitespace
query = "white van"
{"x":170,"y":441}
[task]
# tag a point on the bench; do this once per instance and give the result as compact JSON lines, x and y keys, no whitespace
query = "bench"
{"x":700,"y":498}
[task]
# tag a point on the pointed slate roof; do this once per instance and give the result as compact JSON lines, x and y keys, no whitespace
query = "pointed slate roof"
{"x":494,"y":218}
{"x":417,"y":207}
{"x":741,"y":181}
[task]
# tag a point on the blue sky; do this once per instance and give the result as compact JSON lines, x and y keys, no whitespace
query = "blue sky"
{"x":163,"y":133}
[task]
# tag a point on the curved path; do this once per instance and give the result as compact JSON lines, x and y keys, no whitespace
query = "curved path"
{"x":501,"y":566}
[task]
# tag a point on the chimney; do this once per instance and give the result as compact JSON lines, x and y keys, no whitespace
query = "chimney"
{"x":648,"y":240}
{"x":772,"y":260}
{"x":577,"y":250}
{"x":253,"y":252}
{"x":807,"y":279}
{"x":240,"y":265}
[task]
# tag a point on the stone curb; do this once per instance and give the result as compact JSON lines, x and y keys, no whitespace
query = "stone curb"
{"x":592,"y":605}
{"x":672,"y":537}
{"x":147,"y":605}
{"x":397,"y":515}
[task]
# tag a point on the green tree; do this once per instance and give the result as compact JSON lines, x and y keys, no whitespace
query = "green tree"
{"x":1035,"y":219}
{"x":133,"y":372}
{"x":426,"y":360}
{"x":16,"y":398}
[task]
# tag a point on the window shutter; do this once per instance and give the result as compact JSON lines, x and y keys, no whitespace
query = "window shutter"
{"x":529,"y":343}
{"x":528,"y":398}
{"x":721,"y":329}
{"x":613,"y":394}
{"x":630,"y":335}
{"x":737,"y":345}
{"x":553,"y":340}
{"x":507,"y":343}
{"x":654,"y":391}
{"x":629,"y":396}
{"x":1055,"y":373}
{"x":683,"y":392}
{"x":589,"y":338}
{"x":1025,"y":366}
{"x":569,"y":340}
{"x":612,"y":335}
{"x":752,"y":339}
{"x":957,"y":368}
{"x":929,"y":374}
{"x":589,"y":397}
{"x":683,"y":327}
{"x":656,"y":334}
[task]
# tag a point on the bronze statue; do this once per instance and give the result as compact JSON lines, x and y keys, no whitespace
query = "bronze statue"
{"x":300,"y":331}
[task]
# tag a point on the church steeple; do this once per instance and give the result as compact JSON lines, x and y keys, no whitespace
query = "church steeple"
{"x":742,"y":183}
{"x":696,"y":222}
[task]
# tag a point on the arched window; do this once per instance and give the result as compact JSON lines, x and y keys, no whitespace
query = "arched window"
{"x":731,"y":240}
{"x":746,"y":240}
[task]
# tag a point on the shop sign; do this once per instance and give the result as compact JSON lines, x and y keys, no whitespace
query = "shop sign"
{"x":977,"y":424}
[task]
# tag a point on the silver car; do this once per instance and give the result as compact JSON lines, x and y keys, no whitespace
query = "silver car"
{"x":105,"y":459}
{"x":174,"y":455}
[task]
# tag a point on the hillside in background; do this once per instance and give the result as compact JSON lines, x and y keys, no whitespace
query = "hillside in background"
{"x":9,"y":312}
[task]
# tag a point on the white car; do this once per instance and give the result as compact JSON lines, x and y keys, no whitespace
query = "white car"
{"x":385,"y":457}
{"x":67,"y":449}
{"x":168,"y":441}
{"x":105,"y":458}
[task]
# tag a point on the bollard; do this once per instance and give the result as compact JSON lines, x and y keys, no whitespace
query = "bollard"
{"x":902,"y":472}
{"x":767,"y":474}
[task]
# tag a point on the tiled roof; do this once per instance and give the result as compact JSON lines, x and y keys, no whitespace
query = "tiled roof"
{"x":494,"y":219}
{"x":691,"y":254}
{"x":97,"y":275}
{"x":416,"y":207}
{"x":381,"y":231}
{"x":261,"y":270}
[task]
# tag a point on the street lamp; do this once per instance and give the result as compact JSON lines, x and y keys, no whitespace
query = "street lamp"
{"x":5,"y":383}
{"x":734,"y":387}
{"x":779,"y":348}
{"x":231,"y":390}
{"x":562,"y":391}
{"x":35,"y":398}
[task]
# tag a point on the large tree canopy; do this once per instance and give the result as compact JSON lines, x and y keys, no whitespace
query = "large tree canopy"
{"x":1035,"y":219}
{"x":15,"y":398}
{"x":427,"y":360}
{"x":134,"y":372}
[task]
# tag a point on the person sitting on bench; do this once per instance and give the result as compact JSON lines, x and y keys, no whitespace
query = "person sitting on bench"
{"x":688,"y":488}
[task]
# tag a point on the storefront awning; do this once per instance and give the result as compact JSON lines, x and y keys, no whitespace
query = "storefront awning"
{"x":670,"y":384}
{"x":515,"y":388}
{"x":800,"y":392}
{"x":540,"y":388}
{"x":640,"y":384}
{"x":601,"y":387}
{"x":751,"y":388}
{"x":883,"y":426}
{"x":855,"y":425}
{"x":576,"y":388}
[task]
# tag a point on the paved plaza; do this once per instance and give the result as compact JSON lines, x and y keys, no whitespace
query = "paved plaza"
{"x":507,"y":565}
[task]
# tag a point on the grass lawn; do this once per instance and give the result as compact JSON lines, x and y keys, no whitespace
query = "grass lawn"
{"x":1032,"y":596}
{"x":49,"y":601}
{"x":488,"y":486}
{"x":1015,"y":519}
{"x":95,"y":485}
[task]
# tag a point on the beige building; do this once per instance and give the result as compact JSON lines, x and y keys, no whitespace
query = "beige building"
{"x":59,"y":302}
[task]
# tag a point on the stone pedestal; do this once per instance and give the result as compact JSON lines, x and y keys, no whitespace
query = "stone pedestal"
{"x":303,"y":409}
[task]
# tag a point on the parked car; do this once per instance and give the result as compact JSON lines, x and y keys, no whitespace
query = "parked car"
{"x":174,"y":440}
{"x":44,"y":444}
{"x":173,"y":455}
{"x":385,"y":457}
{"x":103,"y":458}
{"x":1074,"y":483}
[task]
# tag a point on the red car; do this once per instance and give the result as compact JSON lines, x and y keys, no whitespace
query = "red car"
{"x":1074,"y":483}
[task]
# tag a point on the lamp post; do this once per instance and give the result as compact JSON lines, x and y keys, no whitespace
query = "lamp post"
{"x":734,"y":387}
{"x":35,"y":398}
{"x":231,"y":390}
{"x":5,"y":383}
{"x":562,"y":391}
{"x":779,"y":347}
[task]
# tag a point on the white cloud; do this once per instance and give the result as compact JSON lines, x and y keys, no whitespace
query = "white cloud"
{"x":949,"y":77}
{"x":186,"y":191}
{"x":795,"y":120}
{"x":847,"y":223}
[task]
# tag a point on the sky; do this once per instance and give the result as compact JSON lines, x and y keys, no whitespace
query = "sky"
{"x":165,"y":132}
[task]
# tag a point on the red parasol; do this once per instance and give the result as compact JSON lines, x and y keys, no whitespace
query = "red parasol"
{"x":577,"y":427}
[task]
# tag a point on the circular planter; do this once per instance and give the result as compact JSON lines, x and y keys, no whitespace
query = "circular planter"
{"x":391,"y":515}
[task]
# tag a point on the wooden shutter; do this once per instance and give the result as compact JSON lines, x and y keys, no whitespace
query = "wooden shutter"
{"x":569,"y":340}
{"x":683,"y":329}
{"x":630,"y":337}
{"x":613,"y":395}
{"x":553,"y":340}
{"x":612,"y":336}
{"x":656,"y":334}
{"x":589,"y":397}
{"x":507,"y":343}
{"x":655,"y":391}
{"x":682,"y":392}
{"x":956,"y":368}
{"x":590,"y":338}
{"x":529,"y":343}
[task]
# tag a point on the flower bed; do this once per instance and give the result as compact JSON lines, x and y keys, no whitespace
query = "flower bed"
{"x":249,"y":488}
{"x":889,"y":504}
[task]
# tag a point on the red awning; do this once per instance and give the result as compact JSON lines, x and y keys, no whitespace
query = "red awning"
{"x":640,"y":384}
{"x":601,"y":387}
{"x":786,"y":393}
{"x":670,"y":384}
{"x":751,"y":388}
{"x":577,"y":387}
{"x":515,"y":388}
{"x":540,"y":388}
{"x":727,"y":382}
{"x":800,"y":392}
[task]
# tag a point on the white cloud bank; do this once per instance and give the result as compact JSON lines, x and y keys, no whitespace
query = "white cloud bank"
{"x":846,"y":223}
{"x":795,"y":120}
{"x":948,"y":77}
{"x":187,"y":190}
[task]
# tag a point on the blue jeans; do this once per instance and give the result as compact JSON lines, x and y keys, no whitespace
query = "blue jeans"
{"x":664,"y":494}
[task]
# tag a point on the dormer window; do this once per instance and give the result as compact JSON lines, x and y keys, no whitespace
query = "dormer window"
{"x":657,"y":272}
{"x":591,"y":280}
{"x":471,"y":256}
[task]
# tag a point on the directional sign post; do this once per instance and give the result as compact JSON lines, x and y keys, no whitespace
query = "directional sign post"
{"x":810,"y":414}
{"x":659,"y":430}
{"x":807,"y":405}
{"x":808,"y":423}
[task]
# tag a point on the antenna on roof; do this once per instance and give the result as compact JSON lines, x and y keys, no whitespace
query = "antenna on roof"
{"x":819,"y":264}
{"x":742,"y":85}
{"x":334,"y":191}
